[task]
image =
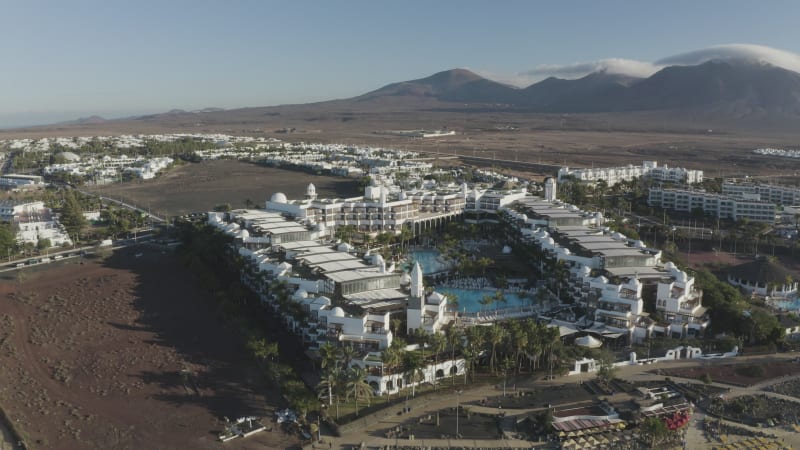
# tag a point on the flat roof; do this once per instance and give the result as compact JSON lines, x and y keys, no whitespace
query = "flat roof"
{"x":641,"y":271}
{"x":610,"y":244}
{"x":623,"y":252}
{"x":321,"y":258}
{"x":336,"y":266}
{"x":359,"y":274}
{"x":592,"y":238}
{"x":299,"y":244}
{"x":377,"y":295}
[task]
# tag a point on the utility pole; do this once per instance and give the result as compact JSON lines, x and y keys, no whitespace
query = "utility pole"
{"x":458,"y":395}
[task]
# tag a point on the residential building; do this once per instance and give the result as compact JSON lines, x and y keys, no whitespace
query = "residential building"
{"x":648,"y":169}
{"x":781,"y":195}
{"x":717,"y":205}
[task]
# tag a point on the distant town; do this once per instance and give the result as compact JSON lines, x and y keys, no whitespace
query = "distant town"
{"x":463,"y":279}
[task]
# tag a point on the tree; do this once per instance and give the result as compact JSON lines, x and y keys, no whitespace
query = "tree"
{"x":72,"y":215}
{"x":454,"y":338}
{"x":330,"y":384}
{"x":8,"y":242}
{"x":438,"y":344}
{"x":496,"y":336}
{"x":329,"y":355}
{"x":654,"y":430}
{"x":606,"y":370}
{"x":261,"y":349}
{"x":348,"y":353}
{"x":357,"y":385}
{"x":414,"y":364}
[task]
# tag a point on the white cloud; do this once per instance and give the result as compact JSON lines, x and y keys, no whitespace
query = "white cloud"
{"x":617,"y":66}
{"x":756,"y":53}
{"x":643,"y":69}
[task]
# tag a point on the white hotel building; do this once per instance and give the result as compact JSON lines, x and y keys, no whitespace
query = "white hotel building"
{"x":609,"y":273}
{"x":648,"y":169}
{"x":781,"y":195}
{"x":718,"y":205}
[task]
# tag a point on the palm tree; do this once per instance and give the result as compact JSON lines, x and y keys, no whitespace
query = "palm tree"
{"x":422,"y":336}
{"x":395,"y":324}
{"x":438,"y":344}
{"x":330,"y":384}
{"x":329,"y":355}
{"x":357,"y":385}
{"x":391,"y":358}
{"x":476,"y":339}
{"x":484,"y":263}
{"x":414,"y":364}
{"x":348,"y":353}
{"x":486,"y":301}
{"x":454,"y":336}
{"x":519,"y":341}
{"x":496,"y":336}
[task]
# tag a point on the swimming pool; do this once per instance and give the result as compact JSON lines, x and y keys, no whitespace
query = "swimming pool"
{"x":789,"y":305}
{"x":469,"y":299}
{"x":429,"y":261}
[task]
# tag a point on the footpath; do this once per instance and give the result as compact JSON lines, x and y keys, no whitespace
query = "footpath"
{"x":370,"y":436}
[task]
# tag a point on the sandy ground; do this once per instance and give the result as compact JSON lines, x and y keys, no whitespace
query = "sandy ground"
{"x":201,"y":186}
{"x":91,"y":354}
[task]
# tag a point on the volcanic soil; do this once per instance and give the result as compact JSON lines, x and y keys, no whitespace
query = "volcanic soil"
{"x":124,"y":351}
{"x":201,"y":186}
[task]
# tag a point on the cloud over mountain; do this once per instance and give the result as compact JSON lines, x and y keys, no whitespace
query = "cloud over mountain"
{"x":643,"y":69}
{"x":614,"y":66}
{"x":747,"y":52}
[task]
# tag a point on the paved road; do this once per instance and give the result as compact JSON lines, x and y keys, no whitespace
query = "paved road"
{"x":695,"y":437}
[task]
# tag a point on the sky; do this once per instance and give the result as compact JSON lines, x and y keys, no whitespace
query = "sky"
{"x":67,"y":59}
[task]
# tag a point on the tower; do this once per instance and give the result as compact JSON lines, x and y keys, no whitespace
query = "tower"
{"x":311,"y":192}
{"x":417,"y":288}
{"x":550,"y":189}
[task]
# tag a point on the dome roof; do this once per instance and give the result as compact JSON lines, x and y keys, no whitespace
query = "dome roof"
{"x":279,"y":197}
{"x":437,"y":298}
{"x":311,"y":189}
{"x":669,"y":266}
{"x":344,"y":247}
{"x":245,"y":234}
{"x":588,"y":341}
{"x":405,"y":278}
{"x":301,"y":293}
{"x":338,"y":312}
{"x":68,"y":156}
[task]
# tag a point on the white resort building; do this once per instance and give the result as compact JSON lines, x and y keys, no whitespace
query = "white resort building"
{"x":648,"y":169}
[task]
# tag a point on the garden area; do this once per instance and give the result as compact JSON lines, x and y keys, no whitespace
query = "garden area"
{"x":756,"y":410}
{"x":790,"y":388}
{"x":734,"y":374}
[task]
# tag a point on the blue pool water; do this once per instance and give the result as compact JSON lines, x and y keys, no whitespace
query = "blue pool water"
{"x":428,"y":260}
{"x":469,"y":299}
{"x":789,"y":305}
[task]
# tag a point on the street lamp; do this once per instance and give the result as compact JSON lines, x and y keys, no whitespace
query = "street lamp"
{"x":458,"y":397}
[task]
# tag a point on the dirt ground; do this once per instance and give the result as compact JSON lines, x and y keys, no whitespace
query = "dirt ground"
{"x":719,"y":146}
{"x":91,"y":354}
{"x":201,"y":186}
{"x":735,"y":374}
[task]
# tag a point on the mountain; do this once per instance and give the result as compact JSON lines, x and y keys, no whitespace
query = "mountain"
{"x":735,"y":88}
{"x":588,"y":94}
{"x":457,"y":85}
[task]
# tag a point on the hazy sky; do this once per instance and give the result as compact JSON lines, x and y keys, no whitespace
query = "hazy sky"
{"x":65,"y":59}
